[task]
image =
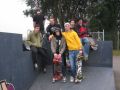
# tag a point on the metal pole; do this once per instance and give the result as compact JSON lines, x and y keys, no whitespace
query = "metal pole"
{"x":103,"y":35}
{"x":99,"y":36}
{"x":118,"y":42}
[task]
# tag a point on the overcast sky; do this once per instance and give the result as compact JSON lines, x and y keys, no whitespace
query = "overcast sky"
{"x":12,"y":18}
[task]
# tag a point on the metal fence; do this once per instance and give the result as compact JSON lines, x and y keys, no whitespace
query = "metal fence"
{"x":99,"y":36}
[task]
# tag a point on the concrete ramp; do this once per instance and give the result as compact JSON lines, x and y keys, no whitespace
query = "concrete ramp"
{"x":16,"y":67}
{"x":96,"y":78}
{"x":102,"y":57}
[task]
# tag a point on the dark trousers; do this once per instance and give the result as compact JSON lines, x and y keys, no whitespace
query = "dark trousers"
{"x":39,"y":56}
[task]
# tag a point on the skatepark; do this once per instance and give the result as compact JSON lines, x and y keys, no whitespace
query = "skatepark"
{"x":16,"y":67}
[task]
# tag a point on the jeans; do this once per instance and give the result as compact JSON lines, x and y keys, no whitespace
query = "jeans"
{"x":72,"y":58}
{"x":86,"y":46}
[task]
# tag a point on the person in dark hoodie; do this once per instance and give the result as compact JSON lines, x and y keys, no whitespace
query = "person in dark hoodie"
{"x":38,"y":19}
{"x":53,"y":24}
{"x":58,"y":45}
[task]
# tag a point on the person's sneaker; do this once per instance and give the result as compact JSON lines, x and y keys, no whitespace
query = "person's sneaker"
{"x":36,"y":66}
{"x":44,"y":70}
{"x":64,"y":79}
{"x":77,"y":80}
{"x":86,"y":58}
{"x":71,"y":79}
{"x":53,"y":80}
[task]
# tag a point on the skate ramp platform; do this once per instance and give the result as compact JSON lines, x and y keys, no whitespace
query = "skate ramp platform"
{"x":95,"y":78}
{"x":102,"y":57}
{"x":17,"y":68}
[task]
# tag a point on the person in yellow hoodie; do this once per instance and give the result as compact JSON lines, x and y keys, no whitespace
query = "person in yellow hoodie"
{"x":74,"y":46}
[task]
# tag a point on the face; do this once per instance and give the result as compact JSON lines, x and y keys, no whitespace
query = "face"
{"x":57,"y":33}
{"x":52,"y":21}
{"x":80,"y":22}
{"x":37,"y":29}
{"x":38,"y":12}
{"x":72,"y":23}
{"x":67,"y":27}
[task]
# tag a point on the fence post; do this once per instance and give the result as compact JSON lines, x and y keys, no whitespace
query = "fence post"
{"x":99,"y":36}
{"x":103,"y":35}
{"x":118,"y":40}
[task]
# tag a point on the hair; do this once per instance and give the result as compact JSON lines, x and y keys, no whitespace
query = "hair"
{"x":36,"y":26}
{"x":73,"y":20}
{"x":55,"y":19}
{"x":57,"y":30}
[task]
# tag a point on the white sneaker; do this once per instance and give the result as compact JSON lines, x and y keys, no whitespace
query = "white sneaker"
{"x":71,"y":79}
{"x":86,"y":58}
{"x":78,"y":81}
{"x":44,"y":70}
{"x":36,"y":66}
{"x":64,"y":79}
{"x":53,"y":81}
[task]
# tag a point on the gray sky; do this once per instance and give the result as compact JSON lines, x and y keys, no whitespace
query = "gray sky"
{"x":12,"y":18}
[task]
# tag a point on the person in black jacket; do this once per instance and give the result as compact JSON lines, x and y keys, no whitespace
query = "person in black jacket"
{"x":51,"y":27}
{"x":38,"y":19}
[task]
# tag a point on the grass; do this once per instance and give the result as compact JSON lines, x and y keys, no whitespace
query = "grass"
{"x":116,"y":52}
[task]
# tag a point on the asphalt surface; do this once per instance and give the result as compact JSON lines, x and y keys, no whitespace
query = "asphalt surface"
{"x":116,"y":68}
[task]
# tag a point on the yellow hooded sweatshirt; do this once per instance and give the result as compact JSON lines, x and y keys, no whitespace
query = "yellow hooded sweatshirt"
{"x":72,"y":39}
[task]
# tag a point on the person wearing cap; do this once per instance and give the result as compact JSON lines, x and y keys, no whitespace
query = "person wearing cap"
{"x":58,"y":45}
{"x":74,"y":46}
{"x":34,"y":40}
{"x":38,"y":19}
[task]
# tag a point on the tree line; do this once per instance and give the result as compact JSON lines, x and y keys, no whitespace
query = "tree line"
{"x":101,"y":14}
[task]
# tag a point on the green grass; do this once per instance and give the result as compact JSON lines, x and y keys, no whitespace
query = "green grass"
{"x":116,"y":53}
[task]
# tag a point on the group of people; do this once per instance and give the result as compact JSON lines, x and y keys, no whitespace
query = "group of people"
{"x":65,"y":44}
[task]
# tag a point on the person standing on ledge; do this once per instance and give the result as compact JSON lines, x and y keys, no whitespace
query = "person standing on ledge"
{"x":38,"y":19}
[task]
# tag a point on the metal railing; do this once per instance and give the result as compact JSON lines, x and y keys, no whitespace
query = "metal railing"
{"x":99,"y":36}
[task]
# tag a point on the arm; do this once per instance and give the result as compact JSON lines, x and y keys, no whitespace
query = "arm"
{"x":84,"y":32}
{"x":52,"y":46}
{"x":28,"y":41}
{"x":63,"y":46}
{"x":78,"y":40}
{"x":48,"y":30}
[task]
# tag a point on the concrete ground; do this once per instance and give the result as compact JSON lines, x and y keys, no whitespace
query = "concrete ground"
{"x":96,"y":78}
{"x":116,"y":68}
{"x":44,"y":83}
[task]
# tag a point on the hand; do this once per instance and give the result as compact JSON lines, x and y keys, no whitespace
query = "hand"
{"x":81,"y":51}
{"x":59,"y":55}
{"x":34,"y":44}
{"x":50,"y":37}
{"x":55,"y":55}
